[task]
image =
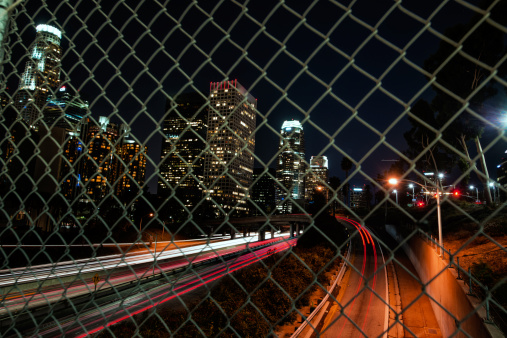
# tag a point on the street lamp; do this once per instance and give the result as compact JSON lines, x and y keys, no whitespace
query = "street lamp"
{"x":413,"y":194}
{"x":492,"y":184}
{"x":141,"y":222}
{"x":395,"y":181}
{"x":396,"y":192}
{"x":476,"y":192}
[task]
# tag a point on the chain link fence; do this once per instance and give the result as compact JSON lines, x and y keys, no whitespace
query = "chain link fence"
{"x":240,"y":168}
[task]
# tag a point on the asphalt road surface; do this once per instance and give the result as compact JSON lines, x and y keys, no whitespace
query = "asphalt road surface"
{"x":361,"y":309}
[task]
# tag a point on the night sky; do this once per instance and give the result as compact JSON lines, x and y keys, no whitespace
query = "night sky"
{"x":302,"y":60}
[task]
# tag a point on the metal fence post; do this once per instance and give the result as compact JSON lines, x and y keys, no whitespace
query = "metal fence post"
{"x":487,"y":305}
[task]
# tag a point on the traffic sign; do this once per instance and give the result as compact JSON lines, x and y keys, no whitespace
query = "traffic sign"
{"x":96,"y":280}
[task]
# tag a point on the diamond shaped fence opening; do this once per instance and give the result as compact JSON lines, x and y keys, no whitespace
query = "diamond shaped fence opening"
{"x":253,"y":168}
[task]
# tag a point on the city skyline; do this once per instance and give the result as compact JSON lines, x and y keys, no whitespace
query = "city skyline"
{"x":379,"y":110}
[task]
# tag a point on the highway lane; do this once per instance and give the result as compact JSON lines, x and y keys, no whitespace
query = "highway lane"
{"x":361,"y":309}
{"x":97,"y":319}
{"x":139,"y":266}
{"x":99,"y":264}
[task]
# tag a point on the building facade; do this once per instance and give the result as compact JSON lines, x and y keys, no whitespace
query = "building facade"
{"x":182,"y":152}
{"x":131,"y":165}
{"x":263,"y":191}
{"x":290,"y":167}
{"x":41,"y":76}
{"x":65,"y":109}
{"x":317,"y":178}
{"x":229,"y":161}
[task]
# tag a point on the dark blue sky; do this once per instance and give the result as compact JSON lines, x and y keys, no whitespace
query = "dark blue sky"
{"x":302,"y":60}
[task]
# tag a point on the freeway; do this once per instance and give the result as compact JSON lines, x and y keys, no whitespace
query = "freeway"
{"x":361,"y":309}
{"x":69,"y":281}
{"x":96,"y":318}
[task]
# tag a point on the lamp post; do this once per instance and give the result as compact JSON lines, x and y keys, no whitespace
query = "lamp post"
{"x":394,"y":181}
{"x":492,"y":184}
{"x":476,"y":192}
{"x":413,"y":193}
{"x":141,"y":222}
{"x":396,"y":192}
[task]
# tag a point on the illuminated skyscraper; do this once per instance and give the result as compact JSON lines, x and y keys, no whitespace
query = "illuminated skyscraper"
{"x":131,"y":165}
{"x":228,"y":165}
{"x":41,"y":76}
{"x":316,"y":178}
{"x":65,"y":109}
{"x":290,"y":168}
{"x":182,"y":152}
{"x":99,"y":170}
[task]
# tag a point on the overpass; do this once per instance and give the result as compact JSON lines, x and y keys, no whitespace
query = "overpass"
{"x":261,"y":224}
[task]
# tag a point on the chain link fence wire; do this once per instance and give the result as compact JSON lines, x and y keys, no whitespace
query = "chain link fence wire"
{"x":186,"y":168}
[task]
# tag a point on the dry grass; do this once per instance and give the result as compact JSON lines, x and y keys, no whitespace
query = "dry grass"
{"x":480,"y":249}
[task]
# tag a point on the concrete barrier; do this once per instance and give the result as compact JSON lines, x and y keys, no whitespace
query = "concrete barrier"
{"x":447,"y":297}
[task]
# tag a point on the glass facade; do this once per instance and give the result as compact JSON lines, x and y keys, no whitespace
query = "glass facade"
{"x":41,"y":76}
{"x":182,"y":151}
{"x":317,"y":178}
{"x":290,"y":168}
{"x":228,"y":164}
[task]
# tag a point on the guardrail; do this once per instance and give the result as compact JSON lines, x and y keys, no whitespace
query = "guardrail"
{"x":326,"y":297}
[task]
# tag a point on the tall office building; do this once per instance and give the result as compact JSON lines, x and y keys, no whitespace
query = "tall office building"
{"x":131,"y":165}
{"x":99,"y":170}
{"x":290,"y":168}
{"x":65,"y":109}
{"x":316,"y":178}
{"x":182,"y":152}
{"x":72,"y":167}
{"x":41,"y":76}
{"x":263,"y":190}
{"x":228,"y":164}
{"x":101,"y":160}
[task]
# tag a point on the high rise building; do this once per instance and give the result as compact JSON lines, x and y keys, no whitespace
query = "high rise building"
{"x":73,"y":162}
{"x":290,"y":168}
{"x":357,"y":198}
{"x":228,"y":164}
{"x":41,"y":76}
{"x":263,"y":190}
{"x":182,"y":152}
{"x":131,"y":165}
{"x":99,"y":170}
{"x":64,"y":109}
{"x":100,"y":159}
{"x":317,"y":178}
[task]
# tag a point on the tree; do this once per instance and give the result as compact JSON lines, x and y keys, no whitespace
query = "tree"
{"x":346,"y":165}
{"x":463,"y":75}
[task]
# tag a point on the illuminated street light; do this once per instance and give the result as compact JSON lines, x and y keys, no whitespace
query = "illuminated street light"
{"x":492,"y":184}
{"x":140,"y":223}
{"x":395,"y":181}
{"x":396,"y":192}
{"x":476,"y":192}
{"x":413,"y":194}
